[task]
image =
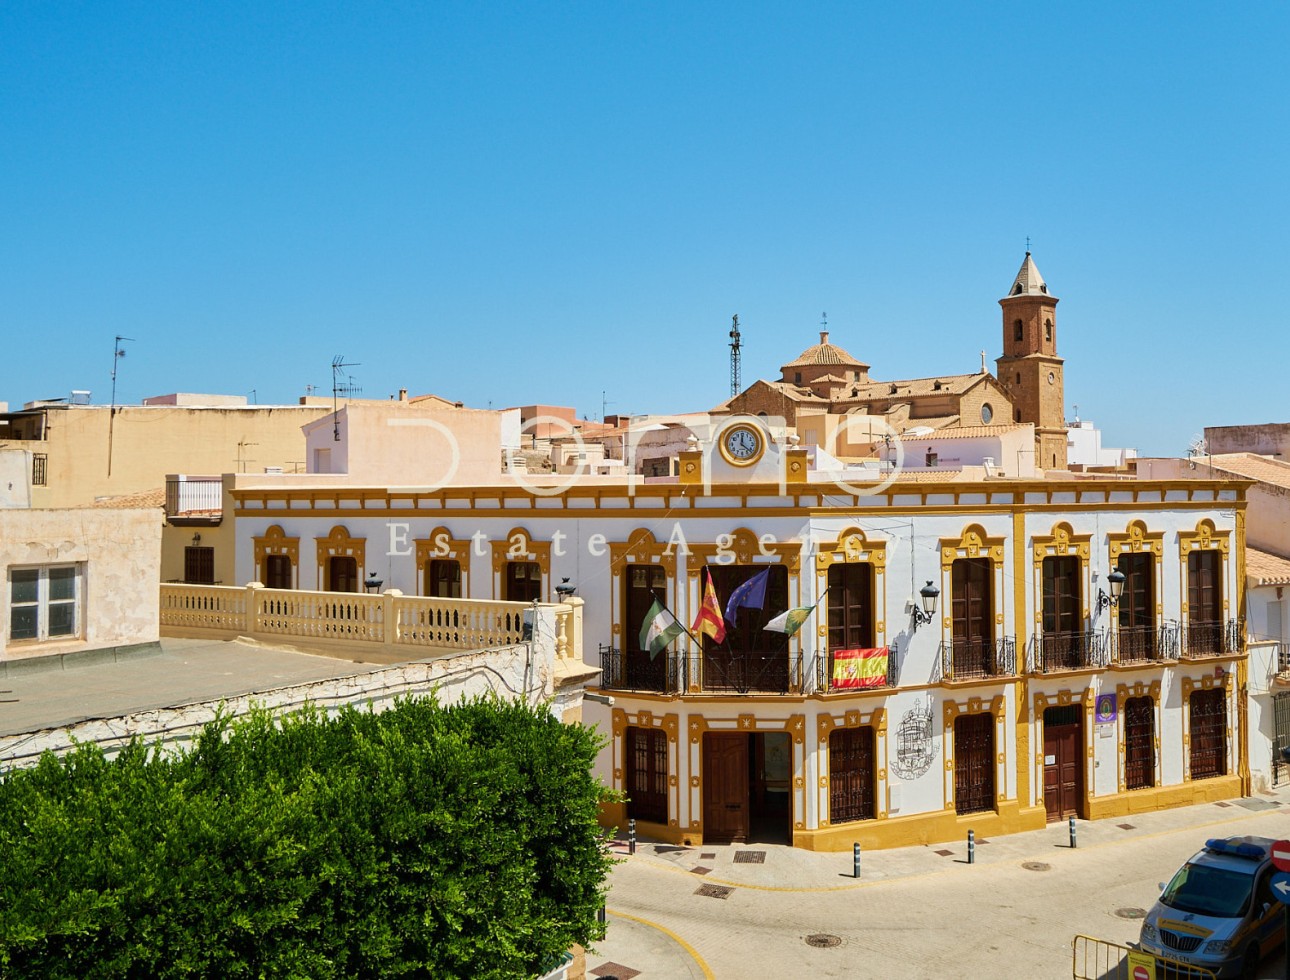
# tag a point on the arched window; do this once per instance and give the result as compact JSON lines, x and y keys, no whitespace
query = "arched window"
{"x":1017,"y":330}
{"x":1048,"y":330}
{"x":1016,"y":291}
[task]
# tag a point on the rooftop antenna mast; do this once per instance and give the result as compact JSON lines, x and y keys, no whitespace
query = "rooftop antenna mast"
{"x":734,"y":356}
{"x":117,"y":354}
{"x":346,"y":388}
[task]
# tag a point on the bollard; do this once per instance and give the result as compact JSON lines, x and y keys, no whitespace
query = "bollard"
{"x":855,"y":860}
{"x":1072,"y":832}
{"x":971,"y":847}
{"x":600,"y":915}
{"x":631,"y":836}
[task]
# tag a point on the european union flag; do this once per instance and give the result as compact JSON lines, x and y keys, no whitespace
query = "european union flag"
{"x":751,"y":593}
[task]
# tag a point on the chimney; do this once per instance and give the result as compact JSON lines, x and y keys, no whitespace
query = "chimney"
{"x":403,"y":394}
{"x":824,"y":336}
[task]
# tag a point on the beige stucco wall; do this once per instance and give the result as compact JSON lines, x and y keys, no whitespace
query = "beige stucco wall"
{"x":119,"y":554}
{"x":405,"y":444}
{"x":148,"y":443}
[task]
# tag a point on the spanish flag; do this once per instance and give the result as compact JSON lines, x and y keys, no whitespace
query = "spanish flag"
{"x":709,"y":621}
{"x":860,"y":667}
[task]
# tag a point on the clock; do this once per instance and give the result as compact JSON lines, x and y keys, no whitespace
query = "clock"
{"x":742,"y":444}
{"x":1051,"y":377}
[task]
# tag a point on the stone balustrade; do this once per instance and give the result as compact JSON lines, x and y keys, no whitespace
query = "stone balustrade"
{"x":407,"y":627}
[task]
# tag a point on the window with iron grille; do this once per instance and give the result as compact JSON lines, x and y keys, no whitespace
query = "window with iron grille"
{"x":278,"y":572}
{"x":523,"y":581}
{"x":851,"y":774}
{"x":39,"y":469}
{"x":199,"y":565}
{"x":974,"y":763}
{"x":1208,"y":722}
{"x":647,"y":774}
{"x":1139,"y":743}
{"x":1280,"y":738}
{"x":443,"y":578}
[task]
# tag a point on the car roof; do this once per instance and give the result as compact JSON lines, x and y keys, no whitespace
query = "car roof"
{"x":1245,"y":855}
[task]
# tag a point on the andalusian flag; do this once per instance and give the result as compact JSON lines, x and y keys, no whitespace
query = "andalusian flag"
{"x":709,"y":620}
{"x":659,"y":629}
{"x":791,"y":621}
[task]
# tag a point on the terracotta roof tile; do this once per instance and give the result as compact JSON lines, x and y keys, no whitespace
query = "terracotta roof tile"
{"x":144,"y":498}
{"x":1265,"y":568}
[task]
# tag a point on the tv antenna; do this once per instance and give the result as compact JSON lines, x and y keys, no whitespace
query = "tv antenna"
{"x":734,"y":355}
{"x":117,"y":353}
{"x":339,"y":388}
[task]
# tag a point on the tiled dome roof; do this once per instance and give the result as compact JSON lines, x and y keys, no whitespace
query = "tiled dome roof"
{"x":824,"y":353}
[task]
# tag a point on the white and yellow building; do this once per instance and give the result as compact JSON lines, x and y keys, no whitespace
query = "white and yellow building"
{"x":1026,"y":698}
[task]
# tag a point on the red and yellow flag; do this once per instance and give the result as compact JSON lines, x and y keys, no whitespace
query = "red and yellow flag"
{"x":710,"y":621}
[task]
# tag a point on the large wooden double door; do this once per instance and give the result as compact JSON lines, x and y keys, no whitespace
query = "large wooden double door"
{"x":746,"y":779}
{"x":1063,"y":762}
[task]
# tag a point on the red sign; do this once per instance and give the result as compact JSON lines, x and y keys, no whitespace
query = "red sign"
{"x":1141,"y":973}
{"x":1281,"y":855}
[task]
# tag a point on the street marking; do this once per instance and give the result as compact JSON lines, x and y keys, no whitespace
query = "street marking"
{"x":669,"y":933}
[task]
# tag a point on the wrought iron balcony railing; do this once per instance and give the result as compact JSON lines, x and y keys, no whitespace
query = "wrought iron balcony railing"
{"x":1144,"y":644}
{"x":664,"y":674}
{"x":825,"y":671}
{"x":763,"y":673}
{"x":1212,"y":639}
{"x":967,"y":659}
{"x":1073,"y":650}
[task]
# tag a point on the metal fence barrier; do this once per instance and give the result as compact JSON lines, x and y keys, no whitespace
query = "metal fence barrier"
{"x":1097,"y":959}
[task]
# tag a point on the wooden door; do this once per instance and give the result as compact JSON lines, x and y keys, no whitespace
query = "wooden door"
{"x":725,"y":787}
{"x":1137,"y":609}
{"x":974,"y":763}
{"x":1204,"y":602}
{"x":1139,"y":743}
{"x":1207,"y":716}
{"x":342,"y":575}
{"x":1063,"y":762}
{"x":972,"y":618}
{"x":1062,"y":644}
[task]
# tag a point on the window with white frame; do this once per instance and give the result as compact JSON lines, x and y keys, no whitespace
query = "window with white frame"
{"x":44,"y":602}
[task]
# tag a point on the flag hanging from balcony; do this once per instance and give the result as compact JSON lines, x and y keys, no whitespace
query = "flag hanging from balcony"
{"x":751,"y":593}
{"x":709,"y":620}
{"x":860,"y":667}
{"x":659,"y":629}
{"x":791,"y":621}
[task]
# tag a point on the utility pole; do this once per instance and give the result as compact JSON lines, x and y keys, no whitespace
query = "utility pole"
{"x":734,"y":356}
{"x":117,"y":354}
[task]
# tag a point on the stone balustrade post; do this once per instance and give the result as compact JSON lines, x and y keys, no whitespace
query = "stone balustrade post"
{"x":390,"y":619}
{"x":574,"y":648}
{"x":251,"y":615}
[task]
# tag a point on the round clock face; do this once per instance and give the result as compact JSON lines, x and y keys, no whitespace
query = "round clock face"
{"x":742,"y":444}
{"x":1052,"y":378}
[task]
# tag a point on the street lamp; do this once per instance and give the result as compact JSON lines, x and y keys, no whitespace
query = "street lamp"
{"x":1116,"y":581}
{"x":929,"y":593}
{"x":373,"y":584}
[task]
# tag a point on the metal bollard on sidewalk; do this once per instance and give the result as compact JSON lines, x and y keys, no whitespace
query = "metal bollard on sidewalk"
{"x":971,"y":847}
{"x":855,"y":860}
{"x":631,"y":836}
{"x":1072,"y":826}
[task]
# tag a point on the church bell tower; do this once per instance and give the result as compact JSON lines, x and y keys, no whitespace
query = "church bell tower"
{"x":1030,"y":369}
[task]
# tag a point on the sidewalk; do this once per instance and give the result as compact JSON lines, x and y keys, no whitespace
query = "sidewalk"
{"x":637,"y":947}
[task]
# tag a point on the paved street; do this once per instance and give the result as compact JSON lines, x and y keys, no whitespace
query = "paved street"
{"x":914,"y":912}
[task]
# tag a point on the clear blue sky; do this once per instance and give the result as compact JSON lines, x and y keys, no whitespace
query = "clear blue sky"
{"x":519,"y":203}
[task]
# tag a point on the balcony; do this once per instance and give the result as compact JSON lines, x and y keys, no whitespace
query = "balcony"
{"x":1073,"y":650}
{"x":665,"y":674}
{"x":751,"y":673}
{"x":963,"y":660}
{"x":823,"y":679}
{"x":1144,"y":644}
{"x":1212,"y":639}
{"x":194,"y":499}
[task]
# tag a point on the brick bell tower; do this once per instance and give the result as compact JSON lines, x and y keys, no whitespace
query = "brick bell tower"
{"x":1030,"y":369}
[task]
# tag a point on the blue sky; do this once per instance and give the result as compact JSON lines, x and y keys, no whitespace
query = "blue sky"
{"x":518,"y":203}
